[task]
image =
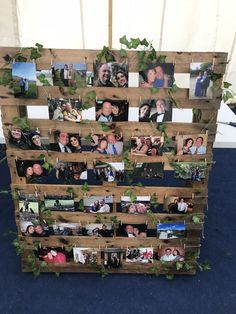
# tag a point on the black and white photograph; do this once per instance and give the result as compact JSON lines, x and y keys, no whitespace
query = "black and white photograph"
{"x":195,"y":171}
{"x":159,"y":75}
{"x":107,"y":144}
{"x":178,"y":205}
{"x":24,"y":79}
{"x":67,"y":229}
{"x":69,"y":74}
{"x":98,"y":204}
{"x":147,"y":145}
{"x":85,"y":255}
{"x":112,"y":257}
{"x":112,"y":110}
{"x":172,"y":230}
{"x":171,"y":254}
{"x":191,"y":144}
{"x":28,"y":203}
{"x":65,"y":109}
{"x":111,"y":74}
{"x":141,"y":255}
{"x":59,"y":203}
{"x":155,"y":110}
{"x":132,"y":230}
{"x":200,"y":80}
{"x":110,"y":172}
{"x":138,"y":206}
{"x":99,"y":230}
{"x":71,"y":172}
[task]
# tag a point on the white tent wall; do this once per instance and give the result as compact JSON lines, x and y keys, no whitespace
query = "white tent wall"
{"x":183,"y":25}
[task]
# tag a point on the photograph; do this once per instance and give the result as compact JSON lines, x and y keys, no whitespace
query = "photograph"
{"x":195,"y":171}
{"x":85,"y":255}
{"x":112,"y":110}
{"x":155,"y":110}
{"x":111,"y":74}
{"x":70,"y":172}
{"x":171,"y":254}
{"x":112,"y":257}
{"x":24,"y":79}
{"x":66,"y":142}
{"x":147,"y":145}
{"x":98,"y":204}
{"x":108,"y":144}
{"x":200,"y":80}
{"x":140,"y":206}
{"x":32,"y":170}
{"x":178,"y":205}
{"x":52,"y":255}
{"x":69,"y":74}
{"x":148,"y":170}
{"x":159,"y":75}
{"x":132,"y":230}
{"x":141,"y":255}
{"x":112,"y":171}
{"x":65,"y":109}
{"x":59,"y":202}
{"x":31,"y":225}
{"x":172,"y":230}
{"x":99,"y":230}
{"x":67,"y":229}
{"x":44,"y":78}
{"x":191,"y":144}
{"x":28,"y":203}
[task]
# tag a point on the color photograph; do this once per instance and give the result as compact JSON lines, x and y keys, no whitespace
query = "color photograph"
{"x":155,"y":110}
{"x":200,"y":80}
{"x":148,"y":170}
{"x":65,"y":109}
{"x":159,"y":75}
{"x":66,"y":143}
{"x":191,"y":144}
{"x":107,"y":144}
{"x":112,"y":110}
{"x":195,"y":171}
{"x":111,"y":75}
{"x":110,"y":172}
{"x":32,"y":170}
{"x":171,"y":254}
{"x":44,"y":78}
{"x":59,"y":203}
{"x":52,"y":255}
{"x":85,"y":255}
{"x":141,"y":255}
{"x":69,"y":74}
{"x":67,"y":229}
{"x":112,"y":257}
{"x":98,"y":204}
{"x":147,"y":146}
{"x":132,"y":230}
{"x":98,"y":230}
{"x":138,"y":206}
{"x":24,"y":79}
{"x":178,"y":205}
{"x":71,"y":172}
{"x":171,"y":230}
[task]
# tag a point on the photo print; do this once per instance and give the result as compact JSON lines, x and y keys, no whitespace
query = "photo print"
{"x":28,"y":203}
{"x":52,"y":255}
{"x":112,"y":257}
{"x":27,"y":140}
{"x":44,"y":78}
{"x":200,"y":80}
{"x":195,"y":171}
{"x":112,"y":110}
{"x":98,"y":204}
{"x":148,"y":170}
{"x":141,"y":255}
{"x":59,"y":203}
{"x":178,"y":205}
{"x":132,"y":230}
{"x":171,"y":254}
{"x":31,"y":225}
{"x":159,"y":75}
{"x":99,"y":230}
{"x":155,"y":110}
{"x":69,"y":74}
{"x":65,"y":109}
{"x":24,"y":79}
{"x":191,"y":144}
{"x":110,"y":172}
{"x":140,"y":206}
{"x":147,"y":145}
{"x":32,"y":170}
{"x":85,"y":256}
{"x":109,"y":144}
{"x":67,"y":229}
{"x":66,"y":143}
{"x":172,"y":230}
{"x":110,"y":75}
{"x":70,"y":172}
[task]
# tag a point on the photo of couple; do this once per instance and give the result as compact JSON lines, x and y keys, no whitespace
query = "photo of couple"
{"x":191,"y":144}
{"x":24,"y":79}
{"x":110,"y":75}
{"x":147,"y":146}
{"x":171,"y":254}
{"x":155,"y":110}
{"x":112,"y":110}
{"x":200,"y":80}
{"x":69,"y":74}
{"x":62,"y":109}
{"x":159,"y":75}
{"x":98,"y":204}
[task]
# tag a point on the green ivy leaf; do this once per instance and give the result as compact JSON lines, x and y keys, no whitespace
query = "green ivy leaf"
{"x":170,"y":276}
{"x":196,"y":219}
{"x":226,"y":84}
{"x":71,"y":90}
{"x":204,"y":266}
{"x":179,"y":265}
{"x":174,"y":88}
{"x":144,"y":42}
{"x":215,"y":76}
{"x":124,"y":41}
{"x":90,"y":95}
{"x":85,"y":187}
{"x":98,"y":219}
{"x":161,"y":59}
{"x":43,"y":264}
{"x":123,"y":53}
{"x":154,"y":90}
{"x":227,"y":95}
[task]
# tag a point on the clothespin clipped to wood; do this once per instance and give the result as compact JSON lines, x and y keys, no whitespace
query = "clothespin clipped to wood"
{"x":213,"y":62}
{"x":45,"y":194}
{"x":49,"y":96}
{"x":184,"y":245}
{"x":205,"y":161}
{"x":36,"y":194}
{"x":192,"y":195}
{"x":16,"y":158}
{"x":13,"y":61}
{"x":184,"y":222}
{"x":159,"y":246}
